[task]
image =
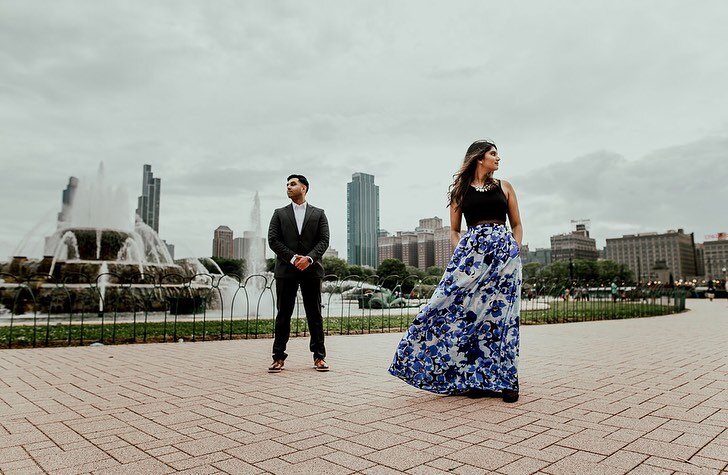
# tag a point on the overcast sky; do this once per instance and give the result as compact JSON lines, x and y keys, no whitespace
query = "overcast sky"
{"x":613,"y":111}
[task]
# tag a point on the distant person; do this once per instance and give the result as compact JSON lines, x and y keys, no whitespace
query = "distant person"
{"x":615,"y":292}
{"x":465,"y":340}
{"x":299,"y":236}
{"x":710,"y":293}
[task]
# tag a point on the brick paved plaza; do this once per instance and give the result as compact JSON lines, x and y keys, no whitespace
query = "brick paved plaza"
{"x":628,"y":396}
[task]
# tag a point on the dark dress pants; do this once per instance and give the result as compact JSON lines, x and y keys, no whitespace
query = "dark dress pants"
{"x":286,"y":302}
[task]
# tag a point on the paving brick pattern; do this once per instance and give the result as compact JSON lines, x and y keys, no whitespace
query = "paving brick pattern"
{"x":641,"y":396}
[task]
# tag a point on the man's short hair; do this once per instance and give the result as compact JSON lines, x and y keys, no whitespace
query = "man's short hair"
{"x":300,"y":178}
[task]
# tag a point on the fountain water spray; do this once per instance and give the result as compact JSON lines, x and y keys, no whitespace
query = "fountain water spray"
{"x":102,"y":281}
{"x":99,"y":205}
{"x":256,"y":257}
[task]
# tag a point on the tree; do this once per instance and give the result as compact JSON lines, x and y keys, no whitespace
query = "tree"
{"x":354,"y":270}
{"x":585,"y":270}
{"x":414,"y":276}
{"x":435,"y":271}
{"x":391,"y":267}
{"x":559,"y":272}
{"x":367,"y":271}
{"x":416,"y":271}
{"x":230,"y":266}
{"x":336,"y":266}
{"x":609,"y":271}
{"x":597,"y":272}
{"x":556,"y":271}
{"x":531,"y":269}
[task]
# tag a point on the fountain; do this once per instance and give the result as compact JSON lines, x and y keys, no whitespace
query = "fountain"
{"x":112,"y":263}
{"x":96,"y":240}
{"x":96,"y":231}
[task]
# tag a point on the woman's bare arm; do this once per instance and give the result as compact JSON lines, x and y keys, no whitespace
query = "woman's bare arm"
{"x":514,"y":215}
{"x":456,"y":217}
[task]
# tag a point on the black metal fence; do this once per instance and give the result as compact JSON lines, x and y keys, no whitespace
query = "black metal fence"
{"x":38,"y":311}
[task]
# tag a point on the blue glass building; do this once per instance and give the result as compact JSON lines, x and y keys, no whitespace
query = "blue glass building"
{"x":362,"y":220}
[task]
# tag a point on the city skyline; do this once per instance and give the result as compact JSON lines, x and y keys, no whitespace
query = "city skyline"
{"x":565,"y":230}
{"x":627,"y":127}
{"x":672,"y":254}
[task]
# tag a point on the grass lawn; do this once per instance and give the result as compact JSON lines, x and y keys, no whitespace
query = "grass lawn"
{"x":62,"y":334}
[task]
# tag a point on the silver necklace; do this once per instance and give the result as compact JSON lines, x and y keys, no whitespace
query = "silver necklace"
{"x":487,"y":185}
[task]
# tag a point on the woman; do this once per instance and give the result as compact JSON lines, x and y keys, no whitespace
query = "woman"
{"x":465,"y":340}
{"x":710,"y":293}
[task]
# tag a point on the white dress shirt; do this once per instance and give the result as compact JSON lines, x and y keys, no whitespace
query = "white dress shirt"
{"x":299,"y":211}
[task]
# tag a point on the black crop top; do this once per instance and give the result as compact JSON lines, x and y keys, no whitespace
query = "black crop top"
{"x":484,"y":206}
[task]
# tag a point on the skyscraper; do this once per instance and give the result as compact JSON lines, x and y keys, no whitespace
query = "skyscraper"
{"x":222,"y":242}
{"x":148,"y":203}
{"x":362,"y":220}
{"x":68,"y":194}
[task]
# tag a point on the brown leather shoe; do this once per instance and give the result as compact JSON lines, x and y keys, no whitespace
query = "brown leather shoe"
{"x":320,"y":365}
{"x":276,"y":367}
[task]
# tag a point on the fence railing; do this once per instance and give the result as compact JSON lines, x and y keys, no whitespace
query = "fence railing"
{"x":36,"y":310}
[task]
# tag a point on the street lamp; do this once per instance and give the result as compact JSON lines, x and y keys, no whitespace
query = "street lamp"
{"x":571,"y":270}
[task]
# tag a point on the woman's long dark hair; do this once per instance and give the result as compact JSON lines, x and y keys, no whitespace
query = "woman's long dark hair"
{"x":464,"y":177}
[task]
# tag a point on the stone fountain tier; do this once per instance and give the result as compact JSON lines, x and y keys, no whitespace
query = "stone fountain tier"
{"x":110,"y":245}
{"x":81,"y":271}
{"x":78,"y":254}
{"x":121,"y":272}
{"x":99,"y":244}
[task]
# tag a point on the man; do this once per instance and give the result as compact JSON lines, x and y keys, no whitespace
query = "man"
{"x":299,"y":236}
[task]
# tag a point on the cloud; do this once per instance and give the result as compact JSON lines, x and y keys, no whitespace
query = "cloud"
{"x":224,"y":98}
{"x":226,"y":181}
{"x":683,"y":186}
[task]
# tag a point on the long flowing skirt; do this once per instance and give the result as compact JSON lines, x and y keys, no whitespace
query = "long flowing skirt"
{"x":466,"y":337}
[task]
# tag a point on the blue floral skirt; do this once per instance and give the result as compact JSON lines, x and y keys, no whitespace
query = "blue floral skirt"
{"x":466,"y":337}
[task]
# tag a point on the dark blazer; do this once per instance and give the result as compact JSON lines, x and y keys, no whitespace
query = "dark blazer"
{"x":284,"y":240}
